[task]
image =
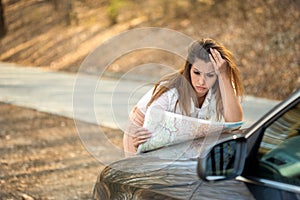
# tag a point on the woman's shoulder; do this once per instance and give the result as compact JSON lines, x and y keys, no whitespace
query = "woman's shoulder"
{"x":172,"y":93}
{"x":166,"y":98}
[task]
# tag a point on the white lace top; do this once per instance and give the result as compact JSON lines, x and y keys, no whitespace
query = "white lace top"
{"x":167,"y":102}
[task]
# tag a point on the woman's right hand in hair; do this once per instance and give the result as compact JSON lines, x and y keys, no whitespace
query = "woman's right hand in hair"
{"x":140,"y":136}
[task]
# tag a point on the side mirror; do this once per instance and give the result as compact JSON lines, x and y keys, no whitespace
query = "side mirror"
{"x":225,"y":160}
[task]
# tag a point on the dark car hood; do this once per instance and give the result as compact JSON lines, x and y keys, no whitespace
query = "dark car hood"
{"x":168,"y":173}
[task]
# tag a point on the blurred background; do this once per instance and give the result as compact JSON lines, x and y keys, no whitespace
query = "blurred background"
{"x":41,"y":155}
{"x":263,"y":35}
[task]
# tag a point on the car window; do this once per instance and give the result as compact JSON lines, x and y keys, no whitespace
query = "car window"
{"x":279,"y":152}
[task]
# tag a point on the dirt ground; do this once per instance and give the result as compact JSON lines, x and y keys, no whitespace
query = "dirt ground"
{"x":42,"y":156}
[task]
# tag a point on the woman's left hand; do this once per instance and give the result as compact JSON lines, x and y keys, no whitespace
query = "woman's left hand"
{"x":220,"y":65}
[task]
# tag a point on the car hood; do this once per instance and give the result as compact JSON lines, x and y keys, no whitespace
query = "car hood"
{"x":168,"y":173}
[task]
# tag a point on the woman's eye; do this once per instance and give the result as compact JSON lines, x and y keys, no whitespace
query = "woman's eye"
{"x":210,"y":75}
{"x":197,"y":73}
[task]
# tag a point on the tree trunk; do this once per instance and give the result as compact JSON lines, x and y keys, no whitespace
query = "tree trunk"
{"x":65,"y":9}
{"x":3,"y":28}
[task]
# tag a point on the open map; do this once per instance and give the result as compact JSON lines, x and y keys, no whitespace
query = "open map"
{"x":169,"y":128}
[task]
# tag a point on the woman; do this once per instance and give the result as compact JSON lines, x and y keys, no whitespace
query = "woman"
{"x":208,"y":87}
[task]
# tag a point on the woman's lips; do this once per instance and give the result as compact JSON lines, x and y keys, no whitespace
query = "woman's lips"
{"x":200,"y":88}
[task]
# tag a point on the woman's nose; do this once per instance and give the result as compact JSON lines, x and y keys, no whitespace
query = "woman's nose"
{"x":201,"y":79}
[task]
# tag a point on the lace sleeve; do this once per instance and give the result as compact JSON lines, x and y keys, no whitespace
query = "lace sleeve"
{"x":164,"y":102}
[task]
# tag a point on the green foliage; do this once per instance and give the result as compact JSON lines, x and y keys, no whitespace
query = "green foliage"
{"x":113,"y":10}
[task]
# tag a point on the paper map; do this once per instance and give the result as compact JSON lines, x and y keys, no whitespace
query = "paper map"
{"x":170,"y":128}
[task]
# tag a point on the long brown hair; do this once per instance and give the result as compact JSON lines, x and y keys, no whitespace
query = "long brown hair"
{"x":181,"y":80}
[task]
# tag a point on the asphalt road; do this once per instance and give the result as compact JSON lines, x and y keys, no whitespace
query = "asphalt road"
{"x":97,"y":100}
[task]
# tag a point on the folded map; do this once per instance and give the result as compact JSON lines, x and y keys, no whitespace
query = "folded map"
{"x":169,"y":128}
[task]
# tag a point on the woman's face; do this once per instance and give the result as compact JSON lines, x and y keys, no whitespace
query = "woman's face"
{"x":203,"y":77}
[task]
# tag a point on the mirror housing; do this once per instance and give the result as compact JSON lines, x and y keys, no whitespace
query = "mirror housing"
{"x":225,"y":160}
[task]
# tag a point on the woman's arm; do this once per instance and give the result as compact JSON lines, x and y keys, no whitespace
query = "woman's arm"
{"x":231,"y":105}
{"x":135,"y":134}
{"x":131,"y":142}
